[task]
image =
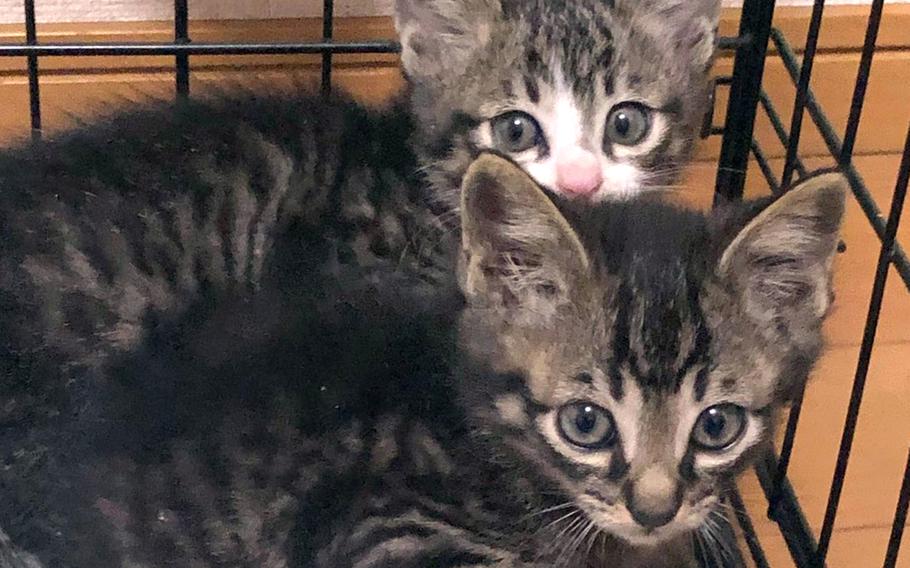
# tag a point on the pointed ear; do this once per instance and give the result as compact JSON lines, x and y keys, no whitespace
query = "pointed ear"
{"x":518,"y":250}
{"x":686,"y":26}
{"x":437,"y":35}
{"x":780,"y":263}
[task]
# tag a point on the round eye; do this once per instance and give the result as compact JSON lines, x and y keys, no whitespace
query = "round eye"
{"x":587,"y":425}
{"x":719,"y":427}
{"x":515,"y":132}
{"x":628,"y":124}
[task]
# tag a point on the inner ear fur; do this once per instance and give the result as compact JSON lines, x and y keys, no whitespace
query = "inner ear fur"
{"x":515,"y":241}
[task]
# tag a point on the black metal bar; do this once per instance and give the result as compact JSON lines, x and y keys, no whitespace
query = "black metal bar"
{"x":857,"y":184}
{"x":735,"y":42}
{"x":181,"y":37}
{"x":778,"y":125}
{"x":101,"y":49}
{"x":748,"y":69}
{"x":862,"y":80}
{"x":34,"y":87}
{"x":802,"y":87}
{"x":328,"y":19}
{"x":900,"y":519}
{"x":765,"y":167}
{"x":865,"y":352}
{"x":787,"y":512}
{"x":745,"y":523}
{"x":786,"y":450}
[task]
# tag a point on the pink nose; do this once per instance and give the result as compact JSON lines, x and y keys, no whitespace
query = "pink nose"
{"x":577,"y":172}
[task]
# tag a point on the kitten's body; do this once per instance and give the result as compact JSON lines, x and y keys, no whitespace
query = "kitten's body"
{"x":305,"y":427}
{"x":368,"y":418}
{"x":125,"y":228}
{"x":112,"y":228}
{"x":127,"y":221}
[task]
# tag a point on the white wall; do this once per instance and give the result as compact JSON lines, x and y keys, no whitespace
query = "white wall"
{"x":105,"y":10}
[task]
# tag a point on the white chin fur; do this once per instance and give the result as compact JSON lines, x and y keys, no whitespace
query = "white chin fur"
{"x":638,"y":537}
{"x":621,"y":181}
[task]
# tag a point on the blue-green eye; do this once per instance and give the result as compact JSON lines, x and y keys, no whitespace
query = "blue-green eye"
{"x":628,"y":124}
{"x":719,"y":427}
{"x":515,"y":132}
{"x":586,"y":425}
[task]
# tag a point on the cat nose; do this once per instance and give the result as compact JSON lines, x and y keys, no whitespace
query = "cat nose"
{"x":577,"y":172}
{"x":653,"y":498}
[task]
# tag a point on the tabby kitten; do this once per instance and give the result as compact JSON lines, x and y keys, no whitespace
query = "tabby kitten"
{"x":135,"y":218}
{"x":583,"y":401}
{"x":594,"y":99}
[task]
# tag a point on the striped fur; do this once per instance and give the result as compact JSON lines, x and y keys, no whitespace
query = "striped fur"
{"x":111,"y":228}
{"x":566,"y":65}
{"x":368,"y":418}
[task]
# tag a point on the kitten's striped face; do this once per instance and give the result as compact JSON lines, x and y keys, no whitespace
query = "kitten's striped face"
{"x":635,"y":379}
{"x":586,"y":147}
{"x":595,"y":100}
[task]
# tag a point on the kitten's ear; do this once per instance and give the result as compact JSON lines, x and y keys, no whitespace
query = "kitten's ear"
{"x":780,"y":263}
{"x":439,"y":35}
{"x":518,"y":250}
{"x":689,"y":27}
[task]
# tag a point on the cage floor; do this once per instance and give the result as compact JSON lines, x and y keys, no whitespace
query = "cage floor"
{"x":873,"y":478}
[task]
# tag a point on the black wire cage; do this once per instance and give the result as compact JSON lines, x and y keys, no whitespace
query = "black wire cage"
{"x":739,"y":148}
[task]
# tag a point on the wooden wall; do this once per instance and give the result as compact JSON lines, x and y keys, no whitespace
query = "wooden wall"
{"x":82,"y":85}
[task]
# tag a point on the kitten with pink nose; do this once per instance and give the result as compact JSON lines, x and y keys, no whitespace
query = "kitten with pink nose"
{"x":596,"y":99}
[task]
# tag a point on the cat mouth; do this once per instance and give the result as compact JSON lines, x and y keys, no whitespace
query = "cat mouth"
{"x":624,"y":528}
{"x":646,"y":537}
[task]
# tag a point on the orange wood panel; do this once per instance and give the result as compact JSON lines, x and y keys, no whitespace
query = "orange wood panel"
{"x":885,"y":114}
{"x":841,"y":38}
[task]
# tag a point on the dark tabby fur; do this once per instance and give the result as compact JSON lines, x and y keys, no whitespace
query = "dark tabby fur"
{"x":371,"y":419}
{"x":104,"y":235}
{"x":109,"y":228}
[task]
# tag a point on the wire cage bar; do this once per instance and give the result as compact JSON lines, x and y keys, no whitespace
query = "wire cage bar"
{"x":900,"y":519}
{"x":747,"y":99}
{"x":34,"y":87}
{"x":748,"y":70}
{"x":182,"y":37}
{"x":783,"y":504}
{"x":802,"y":89}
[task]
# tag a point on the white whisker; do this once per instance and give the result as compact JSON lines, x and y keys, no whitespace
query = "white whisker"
{"x":559,"y":507}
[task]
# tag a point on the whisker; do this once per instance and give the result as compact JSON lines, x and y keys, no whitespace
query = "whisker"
{"x":563,"y":537}
{"x":711,"y":541}
{"x":559,"y":507}
{"x":595,"y":536}
{"x":559,"y":520}
{"x":569,"y":549}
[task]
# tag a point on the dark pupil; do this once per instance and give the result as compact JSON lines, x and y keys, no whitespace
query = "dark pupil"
{"x":516,"y":129}
{"x":621,"y":123}
{"x":586,"y":420}
{"x":715,"y":423}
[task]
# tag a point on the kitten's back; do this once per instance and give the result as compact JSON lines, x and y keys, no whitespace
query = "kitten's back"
{"x":142,"y":213}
